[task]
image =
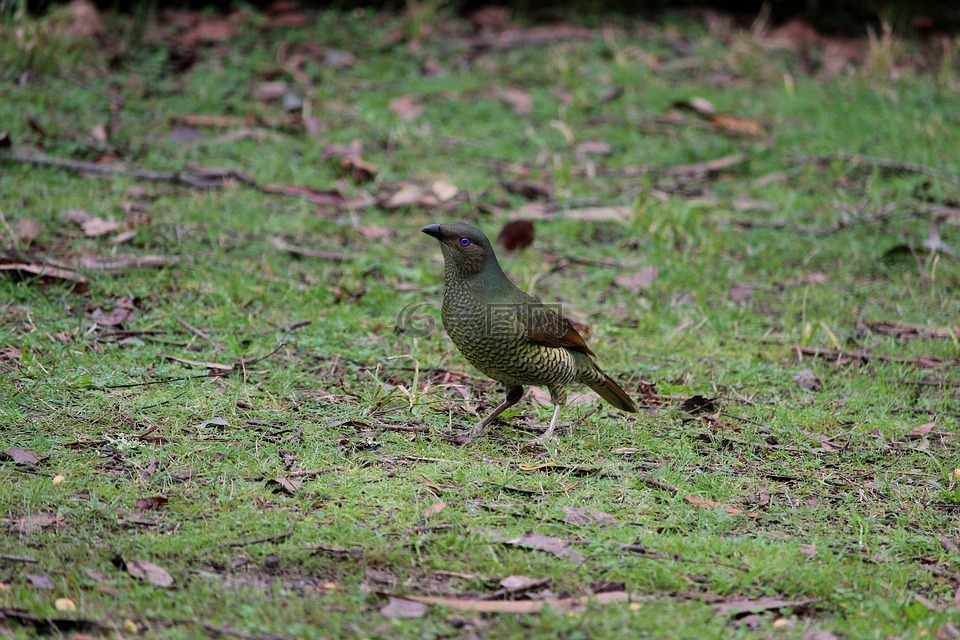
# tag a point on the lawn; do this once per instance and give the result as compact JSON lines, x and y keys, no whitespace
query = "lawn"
{"x":228,"y":407}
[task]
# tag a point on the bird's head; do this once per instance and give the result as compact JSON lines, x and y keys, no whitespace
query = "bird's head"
{"x":465,"y":248}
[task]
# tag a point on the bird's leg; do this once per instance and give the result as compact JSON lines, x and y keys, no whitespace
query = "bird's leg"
{"x":514,"y":393}
{"x":559,"y":398}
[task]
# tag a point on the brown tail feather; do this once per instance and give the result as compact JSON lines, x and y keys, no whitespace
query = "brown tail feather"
{"x":612,"y":393}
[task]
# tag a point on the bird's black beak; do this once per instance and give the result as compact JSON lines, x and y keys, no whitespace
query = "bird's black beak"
{"x":432,"y":230}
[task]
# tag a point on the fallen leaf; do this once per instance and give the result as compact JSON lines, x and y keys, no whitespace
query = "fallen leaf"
{"x":587,"y":148}
{"x":556,"y":546}
{"x":270,"y":91}
{"x":433,"y":509}
{"x":183,"y":474}
{"x":39,"y":581}
{"x":820,"y":634}
{"x":517,"y":234}
{"x":408,"y":194}
{"x":641,"y":280}
{"x":699,"y":405}
{"x":527,"y":606}
{"x":144,"y":570}
{"x":36,"y":521}
{"x":154,"y":502}
{"x":122,"y":310}
{"x":520,"y":100}
{"x":84,"y":19}
{"x":583,"y":517}
{"x":213,"y":29}
{"x":705,"y":168}
{"x":516,"y":584}
{"x":91,"y":225}
{"x":46,"y":274}
{"x":807,"y":379}
{"x":444,"y":190}
{"x":397,"y":607}
{"x":214,"y":422}
{"x":284,"y":485}
{"x":526,"y":190}
{"x":739,"y":607}
{"x":328,"y":197}
{"x":738,"y":126}
{"x":360,"y":170}
{"x":700,"y":106}
{"x":808,"y":551}
{"x":740,"y":293}
{"x":406,"y":107}
{"x":27,"y":230}
{"x":712,"y":504}
{"x":22,"y":456}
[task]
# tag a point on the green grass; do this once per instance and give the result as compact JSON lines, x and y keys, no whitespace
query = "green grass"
{"x":856,"y":523}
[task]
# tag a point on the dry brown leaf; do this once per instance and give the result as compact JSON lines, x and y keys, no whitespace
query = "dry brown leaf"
{"x":153,"y":502}
{"x":27,"y":229}
{"x":214,"y":29}
{"x":705,"y":168}
{"x":515,"y":584}
{"x":406,"y":107}
{"x":148,"y":571}
{"x":20,"y":456}
{"x":808,"y":551}
{"x":47,"y":274}
{"x":712,"y":504}
{"x":521,"y":101}
{"x":401,"y":607}
{"x":517,"y":234}
{"x":408,"y":194}
{"x":738,"y":126}
{"x":807,"y":379}
{"x":433,"y":509}
{"x":360,"y":170}
{"x":587,"y":148}
{"x":583,"y":517}
{"x":527,"y":190}
{"x":284,"y":485}
{"x":740,"y":293}
{"x":742,"y":606}
{"x":39,"y":580}
{"x":527,"y":606}
{"x":91,"y":225}
{"x":270,"y":91}
{"x":444,"y":190}
{"x":329,"y":197}
{"x":84,"y":19}
{"x":36,"y":521}
{"x":556,"y":546}
{"x":641,"y":280}
{"x":122,"y":310}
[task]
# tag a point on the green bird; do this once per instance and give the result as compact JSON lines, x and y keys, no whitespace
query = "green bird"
{"x":508,"y":335}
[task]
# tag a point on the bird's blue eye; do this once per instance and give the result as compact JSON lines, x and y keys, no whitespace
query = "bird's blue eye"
{"x":464,"y":242}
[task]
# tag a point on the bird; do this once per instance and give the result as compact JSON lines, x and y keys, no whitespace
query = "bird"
{"x":508,"y":335}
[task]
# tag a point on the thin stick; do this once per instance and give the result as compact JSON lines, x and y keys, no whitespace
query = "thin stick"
{"x":278,"y":536}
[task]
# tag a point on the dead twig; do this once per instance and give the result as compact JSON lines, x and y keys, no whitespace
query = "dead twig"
{"x":274,"y":538}
{"x":197,"y":179}
{"x":12,"y":558}
{"x":896,"y":166}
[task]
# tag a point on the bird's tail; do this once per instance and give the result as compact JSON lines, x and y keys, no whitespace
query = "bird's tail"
{"x":605,"y":386}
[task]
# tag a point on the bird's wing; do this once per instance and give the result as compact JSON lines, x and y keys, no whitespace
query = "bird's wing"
{"x":547,"y":327}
